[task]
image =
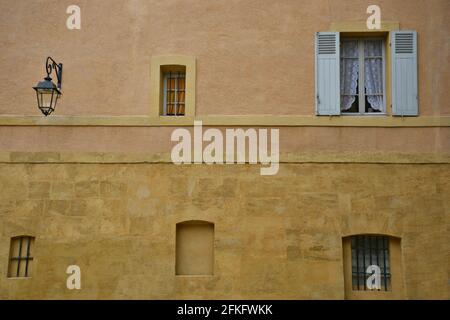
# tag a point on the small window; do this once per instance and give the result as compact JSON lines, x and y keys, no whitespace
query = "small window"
{"x":172,"y":88}
{"x":20,"y":256}
{"x":370,"y":250}
{"x":174,"y":93}
{"x":362,"y":76}
{"x":194,"y":248}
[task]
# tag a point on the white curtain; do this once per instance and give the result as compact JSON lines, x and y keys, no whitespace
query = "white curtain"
{"x":349,"y":73}
{"x":373,"y":73}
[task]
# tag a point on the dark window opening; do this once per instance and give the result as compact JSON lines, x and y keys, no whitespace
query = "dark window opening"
{"x":20,"y":256}
{"x":370,"y":250}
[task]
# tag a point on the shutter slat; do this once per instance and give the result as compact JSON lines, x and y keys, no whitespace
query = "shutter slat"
{"x":404,"y":73}
{"x":327,"y":73}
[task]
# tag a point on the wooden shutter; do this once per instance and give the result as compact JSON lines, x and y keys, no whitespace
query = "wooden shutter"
{"x":404,"y":73}
{"x":327,"y":74}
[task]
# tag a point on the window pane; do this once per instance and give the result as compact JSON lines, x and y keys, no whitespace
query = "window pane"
{"x":170,"y":109}
{"x":373,"y":48}
{"x":180,"y":109}
{"x":349,"y":72}
{"x":180,"y":97}
{"x":366,"y":251}
{"x":181,"y":82}
{"x":20,"y":256}
{"x":170,"y":97}
{"x":12,"y":269}
{"x":373,"y":75}
{"x":15,"y":244}
{"x":171,"y":82}
{"x":174,"y":94}
{"x":26,"y":267}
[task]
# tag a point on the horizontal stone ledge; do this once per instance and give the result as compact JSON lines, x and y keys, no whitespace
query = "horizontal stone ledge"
{"x":295,"y":157}
{"x":229,"y":120}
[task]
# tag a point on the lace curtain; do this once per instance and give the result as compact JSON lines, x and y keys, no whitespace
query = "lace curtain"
{"x":349,"y":73}
{"x":373,"y":73}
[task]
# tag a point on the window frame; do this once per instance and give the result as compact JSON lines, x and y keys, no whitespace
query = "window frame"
{"x":20,"y":258}
{"x":386,"y":281}
{"x":361,"y":75}
{"x":175,"y":75}
{"x":159,"y":64}
{"x":397,"y":289}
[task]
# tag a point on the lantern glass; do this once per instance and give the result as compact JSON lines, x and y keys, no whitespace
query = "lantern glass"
{"x":47,"y":99}
{"x":47,"y":96}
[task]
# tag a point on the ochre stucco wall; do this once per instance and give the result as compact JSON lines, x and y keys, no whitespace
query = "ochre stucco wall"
{"x":137,"y":140}
{"x":275,"y":237}
{"x":253,"y":58}
{"x":261,"y":51}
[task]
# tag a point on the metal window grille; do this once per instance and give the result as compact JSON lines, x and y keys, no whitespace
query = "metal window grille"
{"x":174,"y":93}
{"x":20,"y":256}
{"x":370,"y":250}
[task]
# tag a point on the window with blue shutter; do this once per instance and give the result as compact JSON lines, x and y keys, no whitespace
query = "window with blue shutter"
{"x":327,"y":73}
{"x":404,"y":73}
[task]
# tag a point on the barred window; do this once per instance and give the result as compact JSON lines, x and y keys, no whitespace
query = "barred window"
{"x":370,"y":250}
{"x":20,"y":256}
{"x":174,"y":93}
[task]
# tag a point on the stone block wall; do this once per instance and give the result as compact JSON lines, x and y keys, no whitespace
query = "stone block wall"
{"x":275,"y":237}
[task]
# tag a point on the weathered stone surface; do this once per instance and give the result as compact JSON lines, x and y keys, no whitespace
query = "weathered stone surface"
{"x":277,"y":237}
